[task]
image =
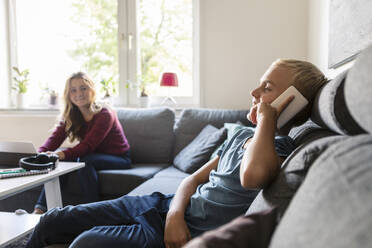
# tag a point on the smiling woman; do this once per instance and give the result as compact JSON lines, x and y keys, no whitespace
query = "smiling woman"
{"x":101,"y":140}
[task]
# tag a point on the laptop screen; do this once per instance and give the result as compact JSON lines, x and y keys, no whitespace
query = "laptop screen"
{"x":11,"y":152}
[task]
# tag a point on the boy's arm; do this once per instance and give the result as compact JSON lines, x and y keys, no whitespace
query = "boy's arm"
{"x":260,"y":163}
{"x":176,"y":232}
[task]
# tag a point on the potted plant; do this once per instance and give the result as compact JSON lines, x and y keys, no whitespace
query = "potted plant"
{"x":53,"y":96}
{"x":20,"y":85}
{"x":108,"y":87}
{"x":143,"y":95}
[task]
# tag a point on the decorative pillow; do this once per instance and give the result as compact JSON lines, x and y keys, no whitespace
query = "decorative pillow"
{"x":358,"y":90}
{"x":252,"y":231}
{"x":192,"y":121}
{"x":198,"y":152}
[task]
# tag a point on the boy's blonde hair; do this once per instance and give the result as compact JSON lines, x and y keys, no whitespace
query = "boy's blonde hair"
{"x":307,"y":79}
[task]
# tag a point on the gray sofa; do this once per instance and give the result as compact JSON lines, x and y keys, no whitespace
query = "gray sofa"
{"x":323,"y":191}
{"x":156,"y":135}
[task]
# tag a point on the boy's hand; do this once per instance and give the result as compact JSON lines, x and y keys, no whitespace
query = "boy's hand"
{"x":176,"y":232}
{"x":265,"y":110}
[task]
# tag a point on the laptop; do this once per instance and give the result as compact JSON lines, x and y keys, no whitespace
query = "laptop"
{"x":11,"y":152}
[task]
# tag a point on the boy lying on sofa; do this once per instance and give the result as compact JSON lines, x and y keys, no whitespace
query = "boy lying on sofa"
{"x":218,"y":192}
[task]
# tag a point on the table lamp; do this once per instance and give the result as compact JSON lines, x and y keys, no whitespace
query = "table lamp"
{"x":169,"y":79}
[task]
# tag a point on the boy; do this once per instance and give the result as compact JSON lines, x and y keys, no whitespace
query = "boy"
{"x":219,"y":191}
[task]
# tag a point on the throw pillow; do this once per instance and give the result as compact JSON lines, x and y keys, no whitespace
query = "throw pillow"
{"x":252,"y":231}
{"x":198,"y":152}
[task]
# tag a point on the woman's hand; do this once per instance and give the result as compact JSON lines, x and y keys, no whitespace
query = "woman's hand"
{"x":61,"y":155}
{"x":176,"y":232}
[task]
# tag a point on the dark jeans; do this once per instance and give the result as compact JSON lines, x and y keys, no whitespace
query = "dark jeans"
{"x":128,"y":221}
{"x":87,"y":178}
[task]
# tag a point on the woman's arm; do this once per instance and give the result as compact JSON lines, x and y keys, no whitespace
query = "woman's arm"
{"x":55,"y":140}
{"x":176,"y":232}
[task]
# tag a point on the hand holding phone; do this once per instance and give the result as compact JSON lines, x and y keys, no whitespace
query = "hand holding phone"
{"x":296,"y":105}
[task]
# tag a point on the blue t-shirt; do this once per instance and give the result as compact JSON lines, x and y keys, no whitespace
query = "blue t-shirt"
{"x":223,"y":198}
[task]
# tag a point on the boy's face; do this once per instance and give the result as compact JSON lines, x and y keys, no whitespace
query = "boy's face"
{"x":273,"y":83}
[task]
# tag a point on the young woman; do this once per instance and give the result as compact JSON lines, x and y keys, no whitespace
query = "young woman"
{"x":218,"y":192}
{"x":102,"y":142}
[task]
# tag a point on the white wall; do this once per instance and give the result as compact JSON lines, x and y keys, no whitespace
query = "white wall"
{"x":26,"y":127}
{"x":240,"y":39}
{"x":318,"y":37}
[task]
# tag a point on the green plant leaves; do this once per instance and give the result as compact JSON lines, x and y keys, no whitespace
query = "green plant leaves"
{"x":21,"y":80}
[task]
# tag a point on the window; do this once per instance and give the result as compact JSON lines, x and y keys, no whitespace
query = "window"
{"x":126,"y":42}
{"x":57,"y":38}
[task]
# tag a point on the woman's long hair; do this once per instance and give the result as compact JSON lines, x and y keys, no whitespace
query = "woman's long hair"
{"x":71,"y":114}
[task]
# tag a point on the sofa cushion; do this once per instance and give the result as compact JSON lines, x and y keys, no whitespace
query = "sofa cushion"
{"x":358,"y":90}
{"x":171,"y":171}
{"x":244,"y":231}
{"x":330,"y":110}
{"x":115,"y":183}
{"x":198,"y":152}
{"x":192,"y":121}
{"x":307,"y":132}
{"x":292,"y":173}
{"x":333,"y":206}
{"x":165,"y":185}
{"x":149,"y":132}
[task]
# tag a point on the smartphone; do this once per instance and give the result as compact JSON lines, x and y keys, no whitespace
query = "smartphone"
{"x":296,"y":105}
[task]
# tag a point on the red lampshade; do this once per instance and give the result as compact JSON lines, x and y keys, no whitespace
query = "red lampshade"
{"x":169,"y":79}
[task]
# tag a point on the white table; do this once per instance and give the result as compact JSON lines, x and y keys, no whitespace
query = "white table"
{"x":13,"y":226}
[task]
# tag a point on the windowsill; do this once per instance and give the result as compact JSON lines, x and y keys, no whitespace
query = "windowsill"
{"x":29,"y":111}
{"x":55,"y":111}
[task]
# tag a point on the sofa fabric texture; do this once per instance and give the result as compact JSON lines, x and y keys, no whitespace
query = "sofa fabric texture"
{"x":149,"y":133}
{"x":293,"y":171}
{"x":358,"y":90}
{"x":333,"y":206}
{"x":330,"y":110}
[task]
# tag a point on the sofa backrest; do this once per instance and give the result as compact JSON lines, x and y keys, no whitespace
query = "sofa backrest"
{"x":344,"y":104}
{"x":358,"y":90}
{"x":149,"y":133}
{"x":192,"y":121}
{"x":330,"y":109}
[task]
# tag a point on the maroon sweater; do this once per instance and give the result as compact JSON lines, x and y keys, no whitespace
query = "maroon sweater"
{"x":102,"y":134}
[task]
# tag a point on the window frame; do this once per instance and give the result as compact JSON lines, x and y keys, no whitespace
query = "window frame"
{"x":127,"y":58}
